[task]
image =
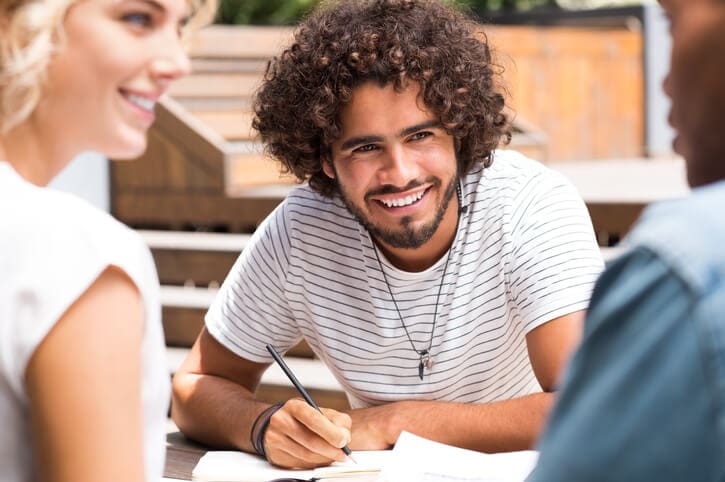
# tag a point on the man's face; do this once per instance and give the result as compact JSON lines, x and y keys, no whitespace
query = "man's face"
{"x":395,"y":165}
{"x":696,"y":84}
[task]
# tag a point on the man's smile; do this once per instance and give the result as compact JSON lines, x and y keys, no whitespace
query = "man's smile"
{"x":402,"y":199}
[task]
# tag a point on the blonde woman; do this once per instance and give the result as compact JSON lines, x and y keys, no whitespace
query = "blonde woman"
{"x":83,"y":385}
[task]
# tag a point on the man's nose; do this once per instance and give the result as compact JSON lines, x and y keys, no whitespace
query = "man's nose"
{"x":399,"y":168}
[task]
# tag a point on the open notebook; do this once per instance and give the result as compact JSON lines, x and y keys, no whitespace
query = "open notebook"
{"x":224,"y":466}
{"x":414,"y":459}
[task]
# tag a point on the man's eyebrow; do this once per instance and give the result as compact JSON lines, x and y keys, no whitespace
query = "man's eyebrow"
{"x":419,"y":127}
{"x":356,"y":141}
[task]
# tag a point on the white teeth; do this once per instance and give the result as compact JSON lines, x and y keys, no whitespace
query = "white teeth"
{"x":142,"y":102}
{"x":406,"y":201}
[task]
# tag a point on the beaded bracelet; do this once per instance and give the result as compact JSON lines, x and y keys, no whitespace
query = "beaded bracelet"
{"x":259,"y":428}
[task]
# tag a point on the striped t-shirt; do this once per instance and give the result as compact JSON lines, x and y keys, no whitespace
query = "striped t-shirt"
{"x":524,"y":253}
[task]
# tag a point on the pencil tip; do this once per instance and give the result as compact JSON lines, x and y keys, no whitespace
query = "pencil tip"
{"x":349,"y":456}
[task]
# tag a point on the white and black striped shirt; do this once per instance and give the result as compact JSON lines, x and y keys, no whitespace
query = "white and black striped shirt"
{"x":524,"y":254}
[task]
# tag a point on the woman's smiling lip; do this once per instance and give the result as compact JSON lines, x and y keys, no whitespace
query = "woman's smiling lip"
{"x":143,"y":103}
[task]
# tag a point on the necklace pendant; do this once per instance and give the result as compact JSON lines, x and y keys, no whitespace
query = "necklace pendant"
{"x":425,"y":362}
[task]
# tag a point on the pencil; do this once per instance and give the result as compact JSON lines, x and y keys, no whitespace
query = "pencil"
{"x":301,"y":389}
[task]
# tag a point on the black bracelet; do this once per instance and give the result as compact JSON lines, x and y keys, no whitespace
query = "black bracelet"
{"x":259,"y":428}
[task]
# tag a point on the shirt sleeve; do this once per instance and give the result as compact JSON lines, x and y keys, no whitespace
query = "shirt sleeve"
{"x":251,"y":309}
{"x":634,"y":405}
{"x":555,"y":259}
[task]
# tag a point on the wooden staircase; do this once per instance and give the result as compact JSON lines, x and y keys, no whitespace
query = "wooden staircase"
{"x":204,"y":169}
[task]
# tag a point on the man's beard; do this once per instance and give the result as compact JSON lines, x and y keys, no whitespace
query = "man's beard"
{"x":405,"y":237}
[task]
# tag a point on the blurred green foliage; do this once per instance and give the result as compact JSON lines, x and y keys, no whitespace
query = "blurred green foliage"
{"x":285,"y":12}
{"x":507,"y":4}
{"x":263,"y":12}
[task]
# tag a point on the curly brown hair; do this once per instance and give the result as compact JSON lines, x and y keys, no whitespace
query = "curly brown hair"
{"x":344,"y":44}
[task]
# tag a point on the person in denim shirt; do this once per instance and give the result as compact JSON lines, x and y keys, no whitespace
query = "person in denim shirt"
{"x":644,"y":396}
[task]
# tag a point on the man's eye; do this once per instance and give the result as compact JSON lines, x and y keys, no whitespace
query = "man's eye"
{"x":140,"y":19}
{"x":365,"y":148}
{"x":419,"y":135}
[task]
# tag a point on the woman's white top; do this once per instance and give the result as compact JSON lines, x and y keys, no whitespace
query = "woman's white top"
{"x":53,"y":246}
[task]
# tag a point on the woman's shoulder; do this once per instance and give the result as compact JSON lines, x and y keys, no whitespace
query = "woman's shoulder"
{"x":52,"y":215}
{"x":61,"y":234}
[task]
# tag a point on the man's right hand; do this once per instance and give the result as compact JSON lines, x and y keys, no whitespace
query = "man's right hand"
{"x":300,"y":437}
{"x":214,"y":404}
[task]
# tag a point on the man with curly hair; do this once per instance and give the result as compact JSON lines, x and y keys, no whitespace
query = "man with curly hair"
{"x":443,"y":282}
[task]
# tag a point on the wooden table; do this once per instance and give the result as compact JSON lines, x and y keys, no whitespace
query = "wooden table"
{"x":182,"y":455}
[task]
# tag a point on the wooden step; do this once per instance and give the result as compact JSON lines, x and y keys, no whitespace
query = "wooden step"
{"x":214,"y":85}
{"x":312,"y":372}
{"x":225,"y":42}
{"x":194,"y":241}
{"x":275,"y":387}
{"x":183,"y":310}
{"x":193,"y":258}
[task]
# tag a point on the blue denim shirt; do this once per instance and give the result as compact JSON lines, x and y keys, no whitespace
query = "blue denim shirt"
{"x":644,"y":396}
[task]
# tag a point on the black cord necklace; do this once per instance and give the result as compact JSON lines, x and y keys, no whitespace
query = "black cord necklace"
{"x":424,"y":355}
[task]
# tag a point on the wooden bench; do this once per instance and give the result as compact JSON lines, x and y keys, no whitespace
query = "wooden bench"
{"x":617,"y":190}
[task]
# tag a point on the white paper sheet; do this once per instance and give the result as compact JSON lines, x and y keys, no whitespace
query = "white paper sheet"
{"x":228,"y":466}
{"x":415,"y":459}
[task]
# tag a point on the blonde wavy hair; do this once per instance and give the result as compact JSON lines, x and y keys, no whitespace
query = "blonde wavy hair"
{"x":30,"y":32}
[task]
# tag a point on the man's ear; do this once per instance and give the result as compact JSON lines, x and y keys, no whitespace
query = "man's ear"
{"x":327,"y":167}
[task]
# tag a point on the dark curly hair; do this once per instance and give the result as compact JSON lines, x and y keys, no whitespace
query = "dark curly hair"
{"x":342,"y":45}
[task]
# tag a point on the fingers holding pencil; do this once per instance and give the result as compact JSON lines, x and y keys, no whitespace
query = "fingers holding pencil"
{"x":298,"y":436}
{"x":301,"y":389}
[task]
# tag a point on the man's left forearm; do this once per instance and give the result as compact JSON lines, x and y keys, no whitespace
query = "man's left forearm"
{"x":502,"y":426}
